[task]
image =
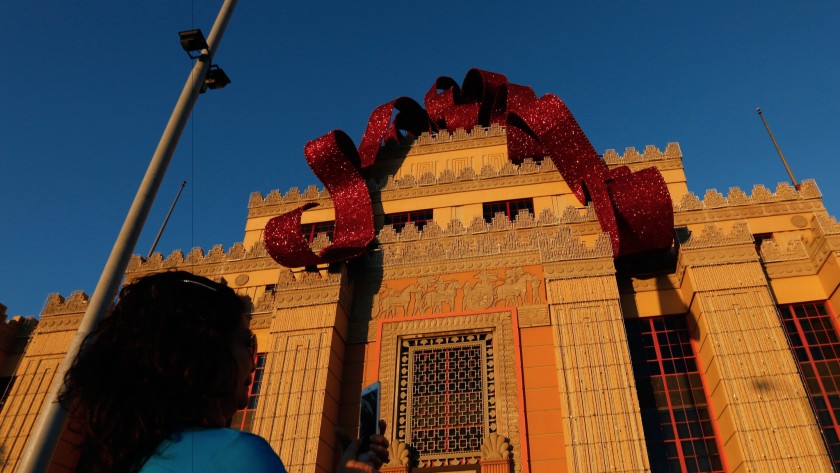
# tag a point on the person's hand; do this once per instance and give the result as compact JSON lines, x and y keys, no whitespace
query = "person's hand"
{"x":376,"y":457}
{"x":379,"y":446}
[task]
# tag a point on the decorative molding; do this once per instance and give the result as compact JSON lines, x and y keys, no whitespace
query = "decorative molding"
{"x":563,"y":246}
{"x":772,"y":252}
{"x":304,"y":288}
{"x":713,"y":236}
{"x":662,"y":282}
{"x":399,"y":454}
{"x":533,"y":316}
{"x":489,"y":177}
{"x":499,"y":323}
{"x":495,"y":447}
{"x":59,"y":323}
{"x":512,"y":286}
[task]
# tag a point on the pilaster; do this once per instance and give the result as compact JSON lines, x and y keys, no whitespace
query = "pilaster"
{"x":36,"y":373}
{"x":602,"y":422}
{"x":299,"y":406}
{"x":758,"y":401}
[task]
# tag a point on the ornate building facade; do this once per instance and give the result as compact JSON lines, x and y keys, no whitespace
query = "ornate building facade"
{"x":509,"y":339}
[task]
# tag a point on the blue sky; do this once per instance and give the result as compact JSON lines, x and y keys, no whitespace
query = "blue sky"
{"x":87,"y":88}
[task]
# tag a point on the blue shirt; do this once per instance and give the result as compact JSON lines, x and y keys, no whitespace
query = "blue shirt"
{"x":214,"y":451}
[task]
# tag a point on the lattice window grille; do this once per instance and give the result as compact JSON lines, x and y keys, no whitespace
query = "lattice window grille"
{"x":446,"y":397}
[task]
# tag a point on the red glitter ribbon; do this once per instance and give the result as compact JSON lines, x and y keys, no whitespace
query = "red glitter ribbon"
{"x":634,"y":208}
{"x":336,"y":162}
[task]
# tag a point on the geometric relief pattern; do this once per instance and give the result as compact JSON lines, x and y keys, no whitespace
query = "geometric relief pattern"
{"x":294,"y":391}
{"x":602,"y":423}
{"x":447,"y":396}
{"x":483,"y":390}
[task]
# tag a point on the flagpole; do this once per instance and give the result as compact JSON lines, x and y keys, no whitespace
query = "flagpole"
{"x":778,"y":149}
{"x":50,"y":424}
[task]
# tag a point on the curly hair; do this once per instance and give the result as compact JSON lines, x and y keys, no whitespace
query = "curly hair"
{"x":160,"y":363}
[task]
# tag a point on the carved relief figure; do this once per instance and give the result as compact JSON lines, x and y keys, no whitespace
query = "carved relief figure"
{"x":513,"y":290}
{"x":389,"y":303}
{"x":434,"y":294}
{"x":443,"y":293}
{"x":480,"y":295}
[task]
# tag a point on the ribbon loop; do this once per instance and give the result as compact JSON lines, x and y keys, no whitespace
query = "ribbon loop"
{"x":633,"y":207}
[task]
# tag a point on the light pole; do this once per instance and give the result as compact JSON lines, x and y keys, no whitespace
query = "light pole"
{"x":47,"y":430}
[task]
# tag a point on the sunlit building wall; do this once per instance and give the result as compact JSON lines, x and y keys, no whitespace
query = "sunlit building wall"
{"x":508,"y":339}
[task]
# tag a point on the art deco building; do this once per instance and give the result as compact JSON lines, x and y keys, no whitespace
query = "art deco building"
{"x":509,"y":339}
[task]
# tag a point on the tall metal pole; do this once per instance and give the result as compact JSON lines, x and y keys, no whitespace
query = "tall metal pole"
{"x":47,"y":430}
{"x":778,"y":149}
{"x":166,"y":220}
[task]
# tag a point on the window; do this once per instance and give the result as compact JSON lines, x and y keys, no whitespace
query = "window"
{"x":311,"y":230}
{"x":446,"y":387}
{"x":816,"y":347}
{"x":675,"y":414}
{"x":760,"y":238}
{"x":510,"y":208}
{"x":244,"y":419}
{"x":418,"y":217}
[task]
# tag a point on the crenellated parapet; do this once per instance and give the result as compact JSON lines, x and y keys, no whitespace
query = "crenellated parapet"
{"x":524,"y":220}
{"x":199,"y":262}
{"x":63,"y":315}
{"x":446,"y":140}
{"x":760,"y":195}
{"x":58,"y":305}
{"x":713,"y":236}
{"x":426,"y":184}
{"x":773,"y":252}
{"x":737,"y":205}
{"x":467,"y":179}
{"x":648,"y":156}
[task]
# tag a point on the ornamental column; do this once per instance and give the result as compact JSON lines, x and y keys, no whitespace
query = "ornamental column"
{"x":298,"y":408}
{"x":601,"y":417}
{"x":762,"y":412}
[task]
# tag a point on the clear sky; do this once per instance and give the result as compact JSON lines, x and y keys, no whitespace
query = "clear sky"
{"x":86,"y":89}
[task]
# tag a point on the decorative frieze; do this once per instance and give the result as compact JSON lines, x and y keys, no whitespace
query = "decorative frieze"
{"x":424,"y":295}
{"x":489,"y":177}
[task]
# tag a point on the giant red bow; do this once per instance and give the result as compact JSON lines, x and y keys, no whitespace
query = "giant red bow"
{"x":633,"y":207}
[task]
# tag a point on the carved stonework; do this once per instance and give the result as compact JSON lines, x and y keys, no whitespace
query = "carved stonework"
{"x":489,"y":177}
{"x":714,"y":236}
{"x":563,"y":246}
{"x":58,"y":305}
{"x":496,"y":447}
{"x":767,"y":415}
{"x":399,"y":454}
{"x":594,"y":360}
{"x":458,"y":292}
{"x":497,"y":323}
{"x":714,"y":246}
{"x":772,"y":251}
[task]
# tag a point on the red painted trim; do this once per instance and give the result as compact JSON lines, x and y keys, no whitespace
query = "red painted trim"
{"x":708,"y":393}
